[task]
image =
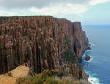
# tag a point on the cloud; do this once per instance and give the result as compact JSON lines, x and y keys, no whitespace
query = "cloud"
{"x":55,"y":10}
{"x":46,"y":7}
{"x":35,"y":3}
{"x":95,"y":2}
{"x":60,"y":9}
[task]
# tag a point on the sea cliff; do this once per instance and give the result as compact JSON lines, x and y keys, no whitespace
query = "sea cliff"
{"x":42,"y":42}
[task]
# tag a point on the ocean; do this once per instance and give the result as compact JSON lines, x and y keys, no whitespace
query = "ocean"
{"x":99,"y":67}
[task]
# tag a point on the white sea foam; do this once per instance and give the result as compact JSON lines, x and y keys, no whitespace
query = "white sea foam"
{"x":92,"y":77}
{"x":94,"y":80}
{"x":92,"y":45}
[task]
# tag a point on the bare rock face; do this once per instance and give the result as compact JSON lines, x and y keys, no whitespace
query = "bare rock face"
{"x":41,"y":42}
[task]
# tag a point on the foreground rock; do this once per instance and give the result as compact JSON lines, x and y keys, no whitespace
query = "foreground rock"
{"x":12,"y":76}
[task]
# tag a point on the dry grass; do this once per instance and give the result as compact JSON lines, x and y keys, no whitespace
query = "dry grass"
{"x":7,"y":80}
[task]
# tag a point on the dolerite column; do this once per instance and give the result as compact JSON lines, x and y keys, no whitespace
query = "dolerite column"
{"x":38,"y":56}
{"x":34,"y":51}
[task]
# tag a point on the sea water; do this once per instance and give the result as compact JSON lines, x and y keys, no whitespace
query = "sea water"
{"x":99,"y":68}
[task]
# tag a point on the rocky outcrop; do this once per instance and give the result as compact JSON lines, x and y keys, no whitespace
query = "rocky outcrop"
{"x":41,"y":42}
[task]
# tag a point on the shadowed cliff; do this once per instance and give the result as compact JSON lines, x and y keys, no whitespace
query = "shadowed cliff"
{"x":42,"y":42}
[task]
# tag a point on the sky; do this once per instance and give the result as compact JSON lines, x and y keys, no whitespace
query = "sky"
{"x":91,"y":12}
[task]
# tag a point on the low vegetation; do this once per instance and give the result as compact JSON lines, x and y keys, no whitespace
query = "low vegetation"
{"x":48,"y":77}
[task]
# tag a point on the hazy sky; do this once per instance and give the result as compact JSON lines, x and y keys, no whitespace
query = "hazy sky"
{"x":87,"y":11}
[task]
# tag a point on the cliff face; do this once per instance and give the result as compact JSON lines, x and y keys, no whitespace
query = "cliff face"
{"x":41,"y":42}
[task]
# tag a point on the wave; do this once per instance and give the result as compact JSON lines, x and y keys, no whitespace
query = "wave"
{"x":92,"y":45}
{"x":93,"y":79}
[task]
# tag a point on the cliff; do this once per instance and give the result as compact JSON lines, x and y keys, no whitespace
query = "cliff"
{"x":42,"y":42}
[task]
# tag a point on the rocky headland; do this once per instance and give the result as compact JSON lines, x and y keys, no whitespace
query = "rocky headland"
{"x":41,"y":43}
